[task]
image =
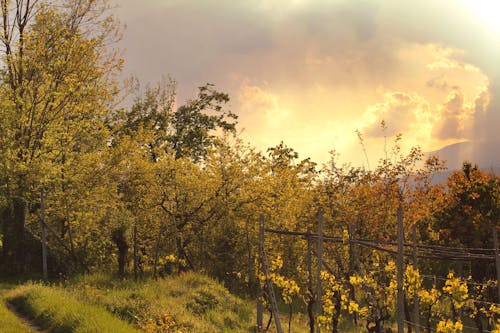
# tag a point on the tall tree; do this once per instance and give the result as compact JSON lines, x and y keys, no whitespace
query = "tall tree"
{"x":190,"y":131}
{"x":195,"y":122}
{"x":469,"y":210}
{"x":57,"y":82}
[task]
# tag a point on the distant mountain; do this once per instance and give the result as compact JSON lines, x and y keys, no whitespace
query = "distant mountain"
{"x":485,"y":154}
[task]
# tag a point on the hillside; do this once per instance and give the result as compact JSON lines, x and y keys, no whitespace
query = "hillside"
{"x":100,"y":303}
{"x":485,"y":154}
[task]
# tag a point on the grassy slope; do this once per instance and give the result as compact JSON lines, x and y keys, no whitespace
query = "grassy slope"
{"x":188,"y":303}
{"x":9,"y":323}
{"x":55,"y":310}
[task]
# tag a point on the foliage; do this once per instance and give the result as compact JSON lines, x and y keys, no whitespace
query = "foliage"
{"x":58,"y":79}
{"x":449,"y":326}
{"x":159,"y":190}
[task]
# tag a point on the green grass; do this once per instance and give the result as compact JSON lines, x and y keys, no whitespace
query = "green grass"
{"x":190,"y":302}
{"x":101,"y":303}
{"x":187,"y":303}
{"x":9,"y":323}
{"x":56,"y":311}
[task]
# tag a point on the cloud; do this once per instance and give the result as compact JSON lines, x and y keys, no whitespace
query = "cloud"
{"x":312,"y":71}
{"x":438,"y":105}
{"x":487,"y":113}
{"x":454,"y":115}
{"x":261,"y":106}
{"x":458,"y":116}
{"x":400,"y":112}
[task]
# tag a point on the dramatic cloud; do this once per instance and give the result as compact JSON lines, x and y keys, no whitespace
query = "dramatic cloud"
{"x":310,"y":72}
{"x":436,"y":103}
{"x":400,"y":113}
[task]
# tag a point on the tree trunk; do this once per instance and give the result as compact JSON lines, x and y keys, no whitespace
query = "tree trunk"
{"x":120,"y":240}
{"x":183,"y":260}
{"x":409,"y":325}
{"x":135,"y":250}
{"x":478,"y":320}
{"x":310,"y":309}
{"x":428,"y":320}
{"x":13,"y":228}
{"x":157,"y":252}
{"x":337,"y":298}
{"x":310,"y":293}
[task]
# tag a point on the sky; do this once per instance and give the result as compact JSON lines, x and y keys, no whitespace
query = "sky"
{"x":313,"y":72}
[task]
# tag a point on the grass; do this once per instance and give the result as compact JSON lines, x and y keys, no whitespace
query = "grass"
{"x":9,"y":322}
{"x":55,"y":311}
{"x":187,"y":303}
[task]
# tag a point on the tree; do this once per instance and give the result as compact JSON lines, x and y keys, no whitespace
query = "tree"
{"x":57,"y":82}
{"x":150,"y":116}
{"x":195,"y":122}
{"x":469,"y":210}
{"x":190,"y":131}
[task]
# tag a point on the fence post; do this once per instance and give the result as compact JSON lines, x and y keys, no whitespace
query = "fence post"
{"x":44,"y":239}
{"x":319,"y":310}
{"x":270,"y":289}
{"x":260,"y":294}
{"x":134,"y":237}
{"x":310,"y":301}
{"x":416,"y":301}
{"x":400,"y":269}
{"x":497,"y":260}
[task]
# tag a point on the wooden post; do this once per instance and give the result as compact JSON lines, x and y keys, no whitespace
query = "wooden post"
{"x":310,"y":301}
{"x":260,"y":294}
{"x":44,"y":239}
{"x":309,"y":259}
{"x":157,"y":251}
{"x":460,"y":273}
{"x":260,"y":311}
{"x":497,"y":260}
{"x":416,"y":301}
{"x":400,"y":271}
{"x":319,"y":304}
{"x":353,"y":265}
{"x":253,"y":286}
{"x":269,"y":284}
{"x":134,"y":236}
{"x":70,"y":232}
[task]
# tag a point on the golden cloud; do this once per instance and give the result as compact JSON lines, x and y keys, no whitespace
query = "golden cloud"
{"x":442,"y":99}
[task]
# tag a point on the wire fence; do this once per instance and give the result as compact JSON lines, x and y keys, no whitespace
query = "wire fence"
{"x":409,"y":250}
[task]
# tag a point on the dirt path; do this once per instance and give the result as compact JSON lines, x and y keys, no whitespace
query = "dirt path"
{"x":31,"y":327}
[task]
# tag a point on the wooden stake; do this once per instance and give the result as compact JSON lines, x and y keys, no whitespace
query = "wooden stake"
{"x":497,"y":260}
{"x":400,"y":271}
{"x":310,"y":300}
{"x":319,"y":310}
{"x":269,"y":284}
{"x":260,"y":293}
{"x":157,"y":251}
{"x":44,"y":239}
{"x":134,"y":236}
{"x":416,"y":301}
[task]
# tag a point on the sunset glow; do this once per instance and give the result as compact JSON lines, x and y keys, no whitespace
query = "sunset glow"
{"x":487,"y":11}
{"x":311,"y":73}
